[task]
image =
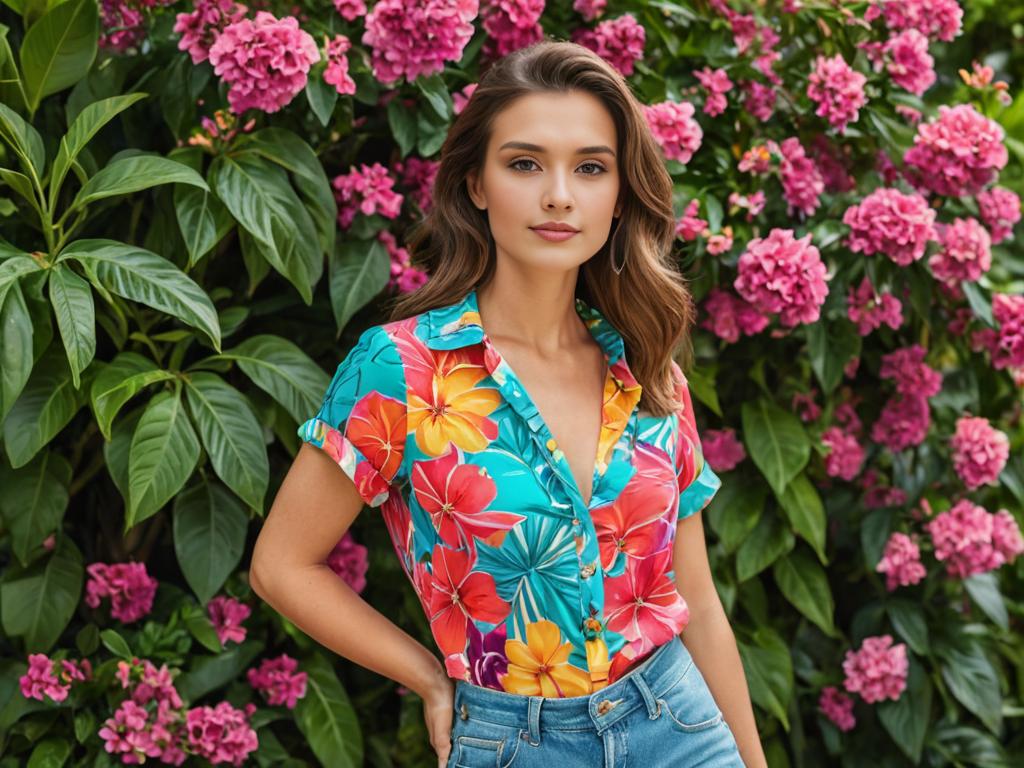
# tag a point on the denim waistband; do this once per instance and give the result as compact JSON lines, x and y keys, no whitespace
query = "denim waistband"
{"x":639,"y":687}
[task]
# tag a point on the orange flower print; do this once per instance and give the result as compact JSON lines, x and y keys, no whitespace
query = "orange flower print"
{"x":540,"y":666}
{"x":621,"y":394}
{"x":643,"y":604}
{"x":459,"y":595}
{"x":377,"y":427}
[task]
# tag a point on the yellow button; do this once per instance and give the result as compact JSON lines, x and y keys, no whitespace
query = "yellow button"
{"x":551,"y":444}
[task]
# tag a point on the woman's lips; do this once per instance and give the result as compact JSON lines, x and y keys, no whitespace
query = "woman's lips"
{"x":554,"y":235}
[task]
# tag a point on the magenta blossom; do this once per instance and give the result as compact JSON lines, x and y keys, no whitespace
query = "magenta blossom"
{"x":785,"y":275}
{"x":877,"y":670}
{"x":131,"y":590}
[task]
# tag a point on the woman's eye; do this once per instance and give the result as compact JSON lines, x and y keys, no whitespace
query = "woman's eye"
{"x":600,"y":169}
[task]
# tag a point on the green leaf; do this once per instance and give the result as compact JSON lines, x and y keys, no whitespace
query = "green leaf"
{"x":58,"y":50}
{"x":776,"y":441}
{"x":45,"y":406}
{"x":202,"y":218}
{"x":51,"y":752}
{"x":802,"y":505}
{"x":135,"y":173}
{"x":208,"y":673}
{"x":22,"y":185}
{"x":734,"y":511}
{"x":435,"y":93}
{"x":359,"y":271}
{"x":16,"y":357}
{"x":199,"y":625}
{"x":769,"y":541}
{"x":769,"y":672}
{"x":803,"y":582}
{"x":326,"y":717}
{"x":231,"y":435}
{"x":906,"y":719}
{"x":117,"y":449}
{"x":984,"y":591}
{"x":163,"y":453}
{"x":140,"y":275}
{"x":975,"y":684}
{"x":831,"y":347}
{"x":979,"y":302}
{"x":209,"y":536}
{"x":283,"y":371}
{"x":34,"y":500}
{"x":321,"y":95}
{"x":24,"y":140}
{"x":403,"y":126}
{"x":116,"y":644}
{"x":36,"y":603}
{"x":908,"y":620}
{"x":71,"y":298}
{"x":119,"y":381}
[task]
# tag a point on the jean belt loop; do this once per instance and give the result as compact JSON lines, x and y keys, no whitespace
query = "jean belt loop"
{"x":653,"y":707}
{"x":533,"y":716}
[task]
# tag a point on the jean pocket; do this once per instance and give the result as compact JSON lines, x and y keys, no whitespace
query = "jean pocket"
{"x":479,"y":744}
{"x":688,"y":703}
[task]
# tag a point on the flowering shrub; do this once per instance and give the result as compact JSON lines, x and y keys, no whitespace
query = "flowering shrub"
{"x":200,"y":197}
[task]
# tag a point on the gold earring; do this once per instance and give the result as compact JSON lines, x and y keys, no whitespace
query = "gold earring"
{"x":611,"y":252}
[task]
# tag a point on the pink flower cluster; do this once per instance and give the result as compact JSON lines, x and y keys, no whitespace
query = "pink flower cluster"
{"x":722,"y":450}
{"x":200,"y":28}
{"x":758,"y":99}
{"x":619,"y":41}
{"x":131,"y":734}
{"x":716,"y":84}
{"x":589,"y":9}
{"x":913,"y":376}
{"x":837,"y":89}
{"x":221,"y":734}
{"x":265,"y":61}
{"x":405,"y":278}
{"x":958,"y":153}
{"x":690,"y":226}
{"x":336,"y":73}
{"x":891,"y":222}
{"x":1000,"y":210}
{"x":461,"y":98}
{"x":1008,"y":312}
{"x":728,"y":316}
{"x":348,"y":559}
{"x":980,"y":451}
{"x":837,"y":707}
{"x":416,"y":38}
{"x":846,"y":455}
{"x":905,"y":418}
{"x":970,"y":540}
{"x":869,"y":309}
{"x":753,"y":203}
{"x":937,"y":19}
{"x":367,"y":190}
{"x":123,"y":22}
{"x":674,"y":128}
{"x":877,"y":670}
{"x":278,"y":681}
{"x":227,"y":614}
{"x":805,"y":406}
{"x":511,"y":25}
{"x":350,"y":10}
{"x":909,"y":64}
{"x":966,"y":251}
{"x":40,"y":680}
{"x":417,"y":175}
{"x":901,"y":562}
{"x":802,"y":182}
{"x":785,"y":275}
{"x":130,"y":588}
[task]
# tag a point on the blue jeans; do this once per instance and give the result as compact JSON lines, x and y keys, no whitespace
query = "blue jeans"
{"x":659,"y":714}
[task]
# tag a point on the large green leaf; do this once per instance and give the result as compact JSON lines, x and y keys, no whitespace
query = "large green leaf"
{"x":769,"y":672}
{"x":984,"y":591}
{"x":283,"y":371}
{"x":776,"y":441}
{"x":124,"y":377}
{"x":117,"y":450}
{"x":231,"y":435}
{"x":973,"y":681}
{"x":71,"y":298}
{"x":58,"y":50}
{"x":202,"y":219}
{"x":734,"y":512}
{"x":140,"y":275}
{"x":163,"y":454}
{"x":906,"y":719}
{"x":34,"y":500}
{"x":831,"y":347}
{"x":359,"y":271}
{"x":209,"y":536}
{"x":326,"y":717}
{"x":908,"y":620}
{"x":803,"y":582}
{"x":263,"y":202}
{"x":802,"y":505}
{"x":769,"y":541}
{"x":208,"y":673}
{"x":135,"y":173}
{"x":36,"y":603}
{"x":23,"y":139}
{"x":45,"y":406}
{"x":16,"y":356}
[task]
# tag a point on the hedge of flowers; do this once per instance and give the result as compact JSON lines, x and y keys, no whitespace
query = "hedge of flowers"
{"x":202,"y":201}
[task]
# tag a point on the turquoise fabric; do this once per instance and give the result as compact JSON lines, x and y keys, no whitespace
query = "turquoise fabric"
{"x":529,"y":589}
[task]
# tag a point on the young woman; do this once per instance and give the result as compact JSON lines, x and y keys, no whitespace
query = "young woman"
{"x":529,"y":438}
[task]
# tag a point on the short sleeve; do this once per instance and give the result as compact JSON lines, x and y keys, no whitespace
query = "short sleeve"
{"x":696,"y":480}
{"x":362,"y":421}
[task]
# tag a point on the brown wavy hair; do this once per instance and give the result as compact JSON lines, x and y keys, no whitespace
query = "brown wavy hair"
{"x":648,"y":303}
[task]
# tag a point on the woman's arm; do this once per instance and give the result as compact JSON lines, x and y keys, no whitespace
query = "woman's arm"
{"x":710,"y":640}
{"x":314,"y":507}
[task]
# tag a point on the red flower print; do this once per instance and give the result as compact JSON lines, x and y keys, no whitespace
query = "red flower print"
{"x":456,"y":495}
{"x":377,"y":427}
{"x":460,"y":594}
{"x":643,"y":604}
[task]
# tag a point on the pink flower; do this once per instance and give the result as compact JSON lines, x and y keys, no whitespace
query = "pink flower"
{"x":131,"y":590}
{"x":903,"y":422}
{"x":837,"y":707}
{"x":278,"y":681}
{"x":958,"y":153}
{"x":727,"y":316}
{"x":348,"y":560}
{"x":619,"y":41}
{"x":802,"y":182}
{"x":869,"y":310}
{"x":461,"y":98}
{"x":367,"y":190}
{"x":912,"y":375}
{"x":418,"y":175}
{"x":675,"y":130}
{"x":938,"y":19}
{"x":227,"y":615}
{"x":890,"y":222}
{"x":910,"y":65}
{"x":128,"y":733}
{"x":901,"y":562}
{"x":721,"y":449}
{"x":221,"y":734}
{"x":336,"y":73}
{"x":877,"y":670}
{"x":589,"y":9}
{"x":690,"y":225}
{"x":785,"y":275}
{"x":40,"y":681}
{"x":753,"y":203}
{"x":200,"y":28}
{"x":148,"y":683}
{"x":1000,"y":210}
{"x":970,"y":540}
{"x":720,"y":242}
{"x":264,"y":61}
{"x":758,"y":99}
{"x":979,"y":451}
{"x":350,"y":10}
{"x":716,"y":84}
{"x":831,"y":160}
{"x":804,"y":405}
{"x":966,"y":251}
{"x":511,"y":25}
{"x":416,"y":38}
{"x":1008,"y":346}
{"x":405,"y":278}
{"x":845,"y":456}
{"x":845,"y":415}
{"x":838,"y":90}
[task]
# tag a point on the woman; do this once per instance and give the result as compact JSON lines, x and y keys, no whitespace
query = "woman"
{"x":542,"y":489}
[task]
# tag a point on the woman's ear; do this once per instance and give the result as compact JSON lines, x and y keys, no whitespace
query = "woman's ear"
{"x":474,"y":193}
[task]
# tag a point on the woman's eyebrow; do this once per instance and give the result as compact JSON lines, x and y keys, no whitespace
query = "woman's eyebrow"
{"x":595,"y":150}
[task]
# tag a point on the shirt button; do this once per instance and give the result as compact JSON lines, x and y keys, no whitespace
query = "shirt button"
{"x":586,"y":571}
{"x":575,"y":521}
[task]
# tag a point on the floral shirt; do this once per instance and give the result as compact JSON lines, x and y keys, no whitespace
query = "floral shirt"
{"x":528,"y":588}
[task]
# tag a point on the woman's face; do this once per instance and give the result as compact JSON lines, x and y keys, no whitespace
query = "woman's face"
{"x":522,"y":187}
